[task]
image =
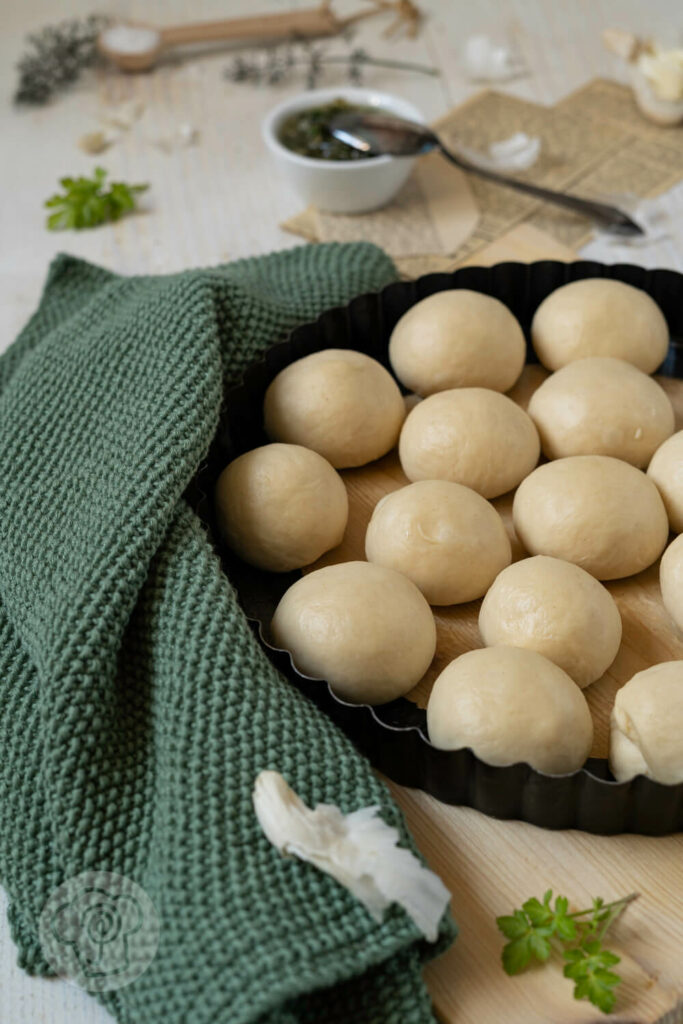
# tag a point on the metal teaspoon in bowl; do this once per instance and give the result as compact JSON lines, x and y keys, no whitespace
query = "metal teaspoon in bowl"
{"x":385,"y":134}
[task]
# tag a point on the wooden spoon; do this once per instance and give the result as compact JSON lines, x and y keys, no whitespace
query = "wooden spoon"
{"x":143,"y":52}
{"x":153,"y":42}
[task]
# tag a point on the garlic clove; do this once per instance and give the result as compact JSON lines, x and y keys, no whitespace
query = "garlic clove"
{"x":96,"y":142}
{"x":489,"y":61}
{"x":624,"y":44}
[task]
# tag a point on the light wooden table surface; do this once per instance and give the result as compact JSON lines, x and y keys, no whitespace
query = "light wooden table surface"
{"x":219,"y":200}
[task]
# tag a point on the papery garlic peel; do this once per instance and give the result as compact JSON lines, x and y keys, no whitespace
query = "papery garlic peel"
{"x":359,"y":850}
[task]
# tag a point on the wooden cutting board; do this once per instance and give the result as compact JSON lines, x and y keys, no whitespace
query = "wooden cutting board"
{"x":493,"y":866}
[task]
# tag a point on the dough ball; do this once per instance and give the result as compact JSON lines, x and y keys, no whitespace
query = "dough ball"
{"x":511,"y":705}
{"x":599,"y":317}
{"x":342,"y":404}
{"x":471,"y":436}
{"x":557,"y":609}
{"x":602,"y":406}
{"x":666,"y":470}
{"x":444,"y":537}
{"x":367,"y":630}
{"x":595,"y":511}
{"x":647,"y":724}
{"x":671,"y":580}
{"x":281,"y":506}
{"x":457,"y":339}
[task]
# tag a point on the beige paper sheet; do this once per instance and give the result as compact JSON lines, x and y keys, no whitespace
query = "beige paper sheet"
{"x":594,"y":143}
{"x":433,"y":213}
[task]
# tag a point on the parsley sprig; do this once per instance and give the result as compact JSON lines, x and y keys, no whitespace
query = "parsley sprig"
{"x":538,"y":926}
{"x":87,"y":202}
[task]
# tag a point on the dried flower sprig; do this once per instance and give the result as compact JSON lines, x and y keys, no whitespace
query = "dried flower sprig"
{"x":56,"y":57}
{"x":274,"y":65}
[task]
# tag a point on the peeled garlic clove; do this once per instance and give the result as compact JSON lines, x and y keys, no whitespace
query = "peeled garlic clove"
{"x":516,"y":153}
{"x":488,"y":61}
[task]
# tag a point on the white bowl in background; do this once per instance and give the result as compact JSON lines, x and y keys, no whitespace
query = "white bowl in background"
{"x":341,"y":186}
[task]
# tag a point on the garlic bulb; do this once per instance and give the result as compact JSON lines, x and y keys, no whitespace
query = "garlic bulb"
{"x":359,"y":850}
{"x":664,"y":71}
{"x":656,"y":75}
{"x":661,"y":111}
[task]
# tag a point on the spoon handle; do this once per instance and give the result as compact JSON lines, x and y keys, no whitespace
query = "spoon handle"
{"x":609,"y":216}
{"x":314,"y":22}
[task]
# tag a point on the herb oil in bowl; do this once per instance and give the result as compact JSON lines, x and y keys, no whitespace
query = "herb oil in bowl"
{"x":308,"y":132}
{"x":326,"y":172}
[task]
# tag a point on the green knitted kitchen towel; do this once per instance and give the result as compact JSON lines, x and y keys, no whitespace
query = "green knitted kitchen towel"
{"x":136,"y":707}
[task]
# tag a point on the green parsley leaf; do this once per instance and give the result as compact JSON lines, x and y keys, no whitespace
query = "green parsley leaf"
{"x":86,"y":202}
{"x":593,"y":981}
{"x":513,"y":927}
{"x":539,"y":914}
{"x":532,"y":930}
{"x":516,"y":955}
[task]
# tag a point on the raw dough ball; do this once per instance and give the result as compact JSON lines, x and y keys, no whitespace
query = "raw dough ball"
{"x":281,"y":506}
{"x":666,"y":469}
{"x":602,"y":406}
{"x":367,"y":630}
{"x":511,"y":705}
{"x":595,"y":511}
{"x":457,"y":339}
{"x":471,"y":436}
{"x":599,"y":317}
{"x":671,"y":580}
{"x":647,"y":724}
{"x":444,"y":537}
{"x":557,"y":609}
{"x":340,"y":403}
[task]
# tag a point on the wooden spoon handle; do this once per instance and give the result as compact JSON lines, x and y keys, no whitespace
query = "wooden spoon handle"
{"x":314,"y":22}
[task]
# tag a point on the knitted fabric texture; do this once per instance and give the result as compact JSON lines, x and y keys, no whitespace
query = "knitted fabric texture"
{"x":136,"y":706}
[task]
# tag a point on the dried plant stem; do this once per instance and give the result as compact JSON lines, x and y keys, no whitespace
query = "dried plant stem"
{"x":377,"y":62}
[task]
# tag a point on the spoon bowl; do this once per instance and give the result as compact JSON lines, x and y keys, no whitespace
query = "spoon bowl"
{"x":113,"y":44}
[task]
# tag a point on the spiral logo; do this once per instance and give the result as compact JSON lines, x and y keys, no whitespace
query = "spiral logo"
{"x":99,"y":930}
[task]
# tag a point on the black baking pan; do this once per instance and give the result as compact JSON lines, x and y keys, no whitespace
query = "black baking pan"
{"x":394,"y":736}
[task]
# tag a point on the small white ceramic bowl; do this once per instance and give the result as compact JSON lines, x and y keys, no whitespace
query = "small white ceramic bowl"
{"x":341,"y":186}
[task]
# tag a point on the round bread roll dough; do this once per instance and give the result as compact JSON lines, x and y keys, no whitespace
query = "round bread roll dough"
{"x":666,"y":470}
{"x":342,"y":404}
{"x":647,"y":724}
{"x":471,"y":436}
{"x":671,"y":580}
{"x":511,"y":705}
{"x":602,"y":406}
{"x":595,"y":511}
{"x":367,"y":630}
{"x":557,"y":609}
{"x":444,"y":537}
{"x":599,"y":317}
{"x":457,"y":339}
{"x":281,"y":506}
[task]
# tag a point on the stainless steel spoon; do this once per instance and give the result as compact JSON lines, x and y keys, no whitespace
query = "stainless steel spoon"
{"x":385,"y":134}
